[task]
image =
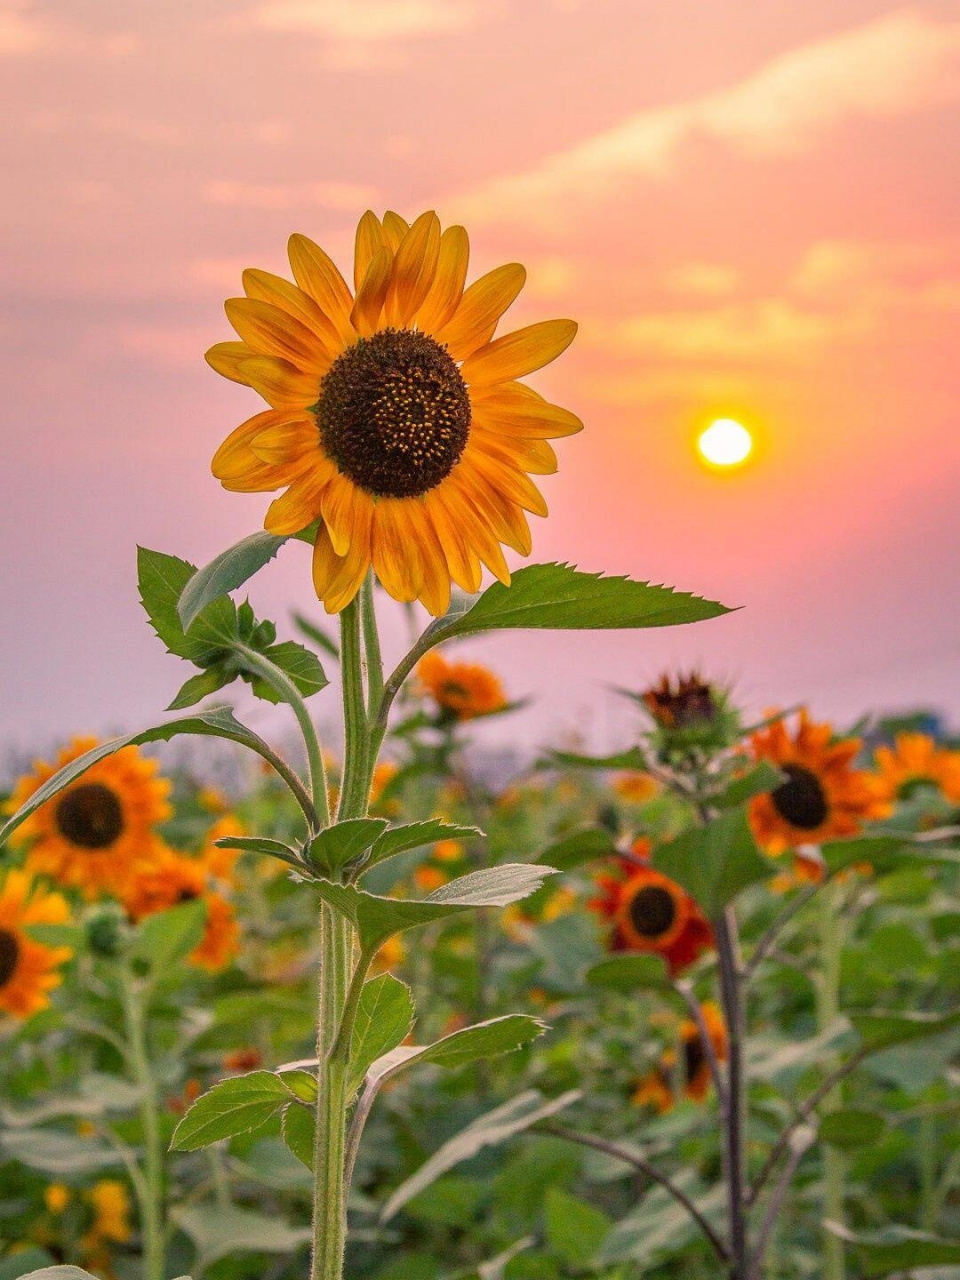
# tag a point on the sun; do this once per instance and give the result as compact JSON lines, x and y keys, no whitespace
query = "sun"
{"x":725,"y":443}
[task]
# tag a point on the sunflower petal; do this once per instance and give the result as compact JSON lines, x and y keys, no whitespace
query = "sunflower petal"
{"x":337,"y":579}
{"x":535,"y":456}
{"x":395,"y":554}
{"x":519,"y":353}
{"x":508,"y":481}
{"x":295,"y":509}
{"x":462,"y":560}
{"x":446,"y":291}
{"x":225,"y":358}
{"x":365,"y":315}
{"x":235,"y":451}
{"x":517,"y":410}
{"x":270,"y":331}
{"x":369,"y":242}
{"x":317,"y":274}
{"x":394,"y":229}
{"x":286,"y":441}
{"x":280,"y":383}
{"x":414,"y":267}
{"x":480,"y":309}
{"x":266,"y":287}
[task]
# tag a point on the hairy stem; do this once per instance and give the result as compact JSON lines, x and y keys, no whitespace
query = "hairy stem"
{"x":731,"y":997}
{"x":150,"y":1187}
{"x":828,"y":1007}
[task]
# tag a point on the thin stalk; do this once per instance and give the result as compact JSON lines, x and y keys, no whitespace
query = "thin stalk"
{"x":734,"y":1164}
{"x":150,"y":1189}
{"x":828,"y":1008}
{"x":685,"y":991}
{"x":358,"y":755}
{"x":281,"y":683}
{"x":927,"y":1155}
{"x":371,"y":645}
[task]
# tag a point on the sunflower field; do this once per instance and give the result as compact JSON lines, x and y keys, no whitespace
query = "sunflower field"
{"x":377,"y":1008}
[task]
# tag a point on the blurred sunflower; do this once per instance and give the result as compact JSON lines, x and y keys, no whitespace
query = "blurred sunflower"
{"x":220,"y":863}
{"x":396,"y":420}
{"x":92,"y":835}
{"x":173,"y":878}
{"x":29,"y":969}
{"x":654,"y":1091}
{"x":637,"y":787}
{"x":652,"y":913}
{"x":915,"y":760}
{"x":462,"y":690}
{"x":656,"y":1088}
{"x":824,"y":797}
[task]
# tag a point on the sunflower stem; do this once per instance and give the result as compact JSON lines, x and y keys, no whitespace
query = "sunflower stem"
{"x":828,"y":1008}
{"x":150,"y":1188}
{"x":734,"y":1114}
{"x":371,"y":644}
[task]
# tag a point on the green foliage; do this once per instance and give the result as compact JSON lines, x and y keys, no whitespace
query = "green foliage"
{"x":233,"y":1106}
{"x":227,"y":571}
{"x":163,"y":939}
{"x":344,"y":842}
{"x":716,"y":862}
{"x":849,"y":1128}
{"x":384,"y":1018}
{"x":574,"y":1229}
{"x":413,"y":835}
{"x":897,"y":1249}
{"x":629,"y":973}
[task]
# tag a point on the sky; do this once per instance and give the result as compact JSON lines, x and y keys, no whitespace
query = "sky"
{"x":751,"y":210}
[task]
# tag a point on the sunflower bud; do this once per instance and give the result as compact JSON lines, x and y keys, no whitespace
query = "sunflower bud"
{"x":690,"y":715}
{"x":107,"y":930}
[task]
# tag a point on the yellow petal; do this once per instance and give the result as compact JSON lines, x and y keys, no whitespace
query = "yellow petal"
{"x":394,"y":229}
{"x":295,"y":509}
{"x":317,"y":274}
{"x":434,"y":592}
{"x":480,"y":310}
{"x":447,"y":288}
{"x":369,"y":242}
{"x":509,"y":482}
{"x":337,"y":579}
{"x":287,"y":441}
{"x":280,"y":383}
{"x":341,"y":499}
{"x":517,"y":410}
{"x":500,"y":513}
{"x":414,"y":267}
{"x":225,"y":358}
{"x":395,"y":554}
{"x":519,"y":353}
{"x":371,"y":294}
{"x":235,"y":452}
{"x":473,"y":512}
{"x":534,"y":456}
{"x":462,"y":560}
{"x":270,"y":331}
{"x":267,"y":287}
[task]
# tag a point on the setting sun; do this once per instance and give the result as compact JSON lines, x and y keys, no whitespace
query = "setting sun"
{"x":725,"y":443}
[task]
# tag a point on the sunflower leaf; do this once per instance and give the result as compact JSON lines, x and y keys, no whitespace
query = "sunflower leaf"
{"x":413,"y":835}
{"x":562,"y":597}
{"x":585,"y":845}
{"x":233,"y":1106}
{"x":297,"y":663}
{"x":384,"y":1017}
{"x":161,"y":579}
{"x":167,"y":936}
{"x":897,"y":1248}
{"x":227,"y":571}
{"x":716,"y":862}
{"x":201,"y":686}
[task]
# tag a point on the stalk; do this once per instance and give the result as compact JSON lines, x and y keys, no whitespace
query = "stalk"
{"x":150,"y":1189}
{"x":828,"y":1007}
{"x":731,"y":998}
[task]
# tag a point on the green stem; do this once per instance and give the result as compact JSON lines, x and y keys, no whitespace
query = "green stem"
{"x":151,"y":1189}
{"x":358,"y":757}
{"x":828,"y":1008}
{"x":281,"y":683}
{"x":371,"y":644}
{"x":734,"y":1112}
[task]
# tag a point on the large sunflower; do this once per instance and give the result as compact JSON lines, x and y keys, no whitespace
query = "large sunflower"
{"x":916,"y":760}
{"x":95,"y":831}
{"x":29,"y":970}
{"x":823,"y":798}
{"x":396,"y":419}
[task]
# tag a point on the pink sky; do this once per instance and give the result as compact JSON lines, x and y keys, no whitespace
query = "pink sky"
{"x":752,"y":211}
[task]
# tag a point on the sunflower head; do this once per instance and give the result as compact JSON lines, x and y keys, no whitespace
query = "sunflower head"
{"x":823,"y":796}
{"x":461,"y":690}
{"x":29,"y":970}
{"x":654,"y":1091}
{"x":915,"y":761}
{"x":397,"y":424}
{"x":173,"y":878}
{"x":696,"y":1066}
{"x":689,"y":715}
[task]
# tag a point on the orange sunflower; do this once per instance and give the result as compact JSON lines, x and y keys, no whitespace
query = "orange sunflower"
{"x":652,"y":913}
{"x":172,"y":878}
{"x":823,"y":798}
{"x":916,"y":760}
{"x":29,"y":970}
{"x":656,"y":1089}
{"x":461,"y":690}
{"x":92,"y":835}
{"x":396,"y":419}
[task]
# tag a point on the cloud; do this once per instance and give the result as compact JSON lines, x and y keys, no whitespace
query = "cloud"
{"x":346,"y":196}
{"x":897,"y":64}
{"x":20,"y":32}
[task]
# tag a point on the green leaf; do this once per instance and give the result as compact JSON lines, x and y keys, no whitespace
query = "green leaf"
{"x":300,"y":1083}
{"x":413,"y":835}
{"x":771,"y":1057}
{"x":384,"y":1018}
{"x":201,"y":686}
{"x":262,"y":844}
{"x":880,"y":1030}
{"x":716,"y":862}
{"x":299,"y":1128}
{"x":162,"y":579}
{"x":897,"y":1248}
{"x":559,"y":596}
{"x":295,"y":661}
{"x":579,"y":847}
{"x":574,"y":1229}
{"x":340,"y":843}
{"x":227,"y":571}
{"x":488,"y":1039}
{"x":880,"y":851}
{"x":219,"y":1230}
{"x":488,"y":1130}
{"x":11,"y":1267}
{"x":659,"y":1227}
{"x":377,"y":918}
{"x":217,"y":722}
{"x":233,"y":1106}
{"x":761,"y":778}
{"x":633,"y":758}
{"x":54,"y":1151}
{"x":319,"y":638}
{"x":629,"y":973}
{"x":851,"y":1128}
{"x":165,"y":937}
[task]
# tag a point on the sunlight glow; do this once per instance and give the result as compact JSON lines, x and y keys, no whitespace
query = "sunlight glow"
{"x":725,"y":443}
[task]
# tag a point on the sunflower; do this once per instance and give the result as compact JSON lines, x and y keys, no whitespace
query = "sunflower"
{"x":173,"y":878}
{"x":682,"y":703}
{"x":654,"y":1091}
{"x":916,"y":760}
{"x":461,"y":690}
{"x":636,"y":787}
{"x":396,"y":420}
{"x":824,"y":797}
{"x":29,"y":969}
{"x":696,"y":1068}
{"x":94,"y":832}
{"x":652,"y":913}
{"x":220,"y":863}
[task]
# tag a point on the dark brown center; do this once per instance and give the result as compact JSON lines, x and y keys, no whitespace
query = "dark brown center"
{"x":693,"y":1057}
{"x":652,"y":911}
{"x":9,"y":955}
{"x":394,"y":413}
{"x":800,"y":800}
{"x":89,"y":816}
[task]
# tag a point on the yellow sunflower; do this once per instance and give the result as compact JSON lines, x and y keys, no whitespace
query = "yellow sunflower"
{"x":823,"y":798}
{"x":29,"y":969}
{"x":92,"y":835}
{"x":461,"y":690}
{"x":916,"y":760}
{"x":172,"y":878}
{"x":396,"y":419}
